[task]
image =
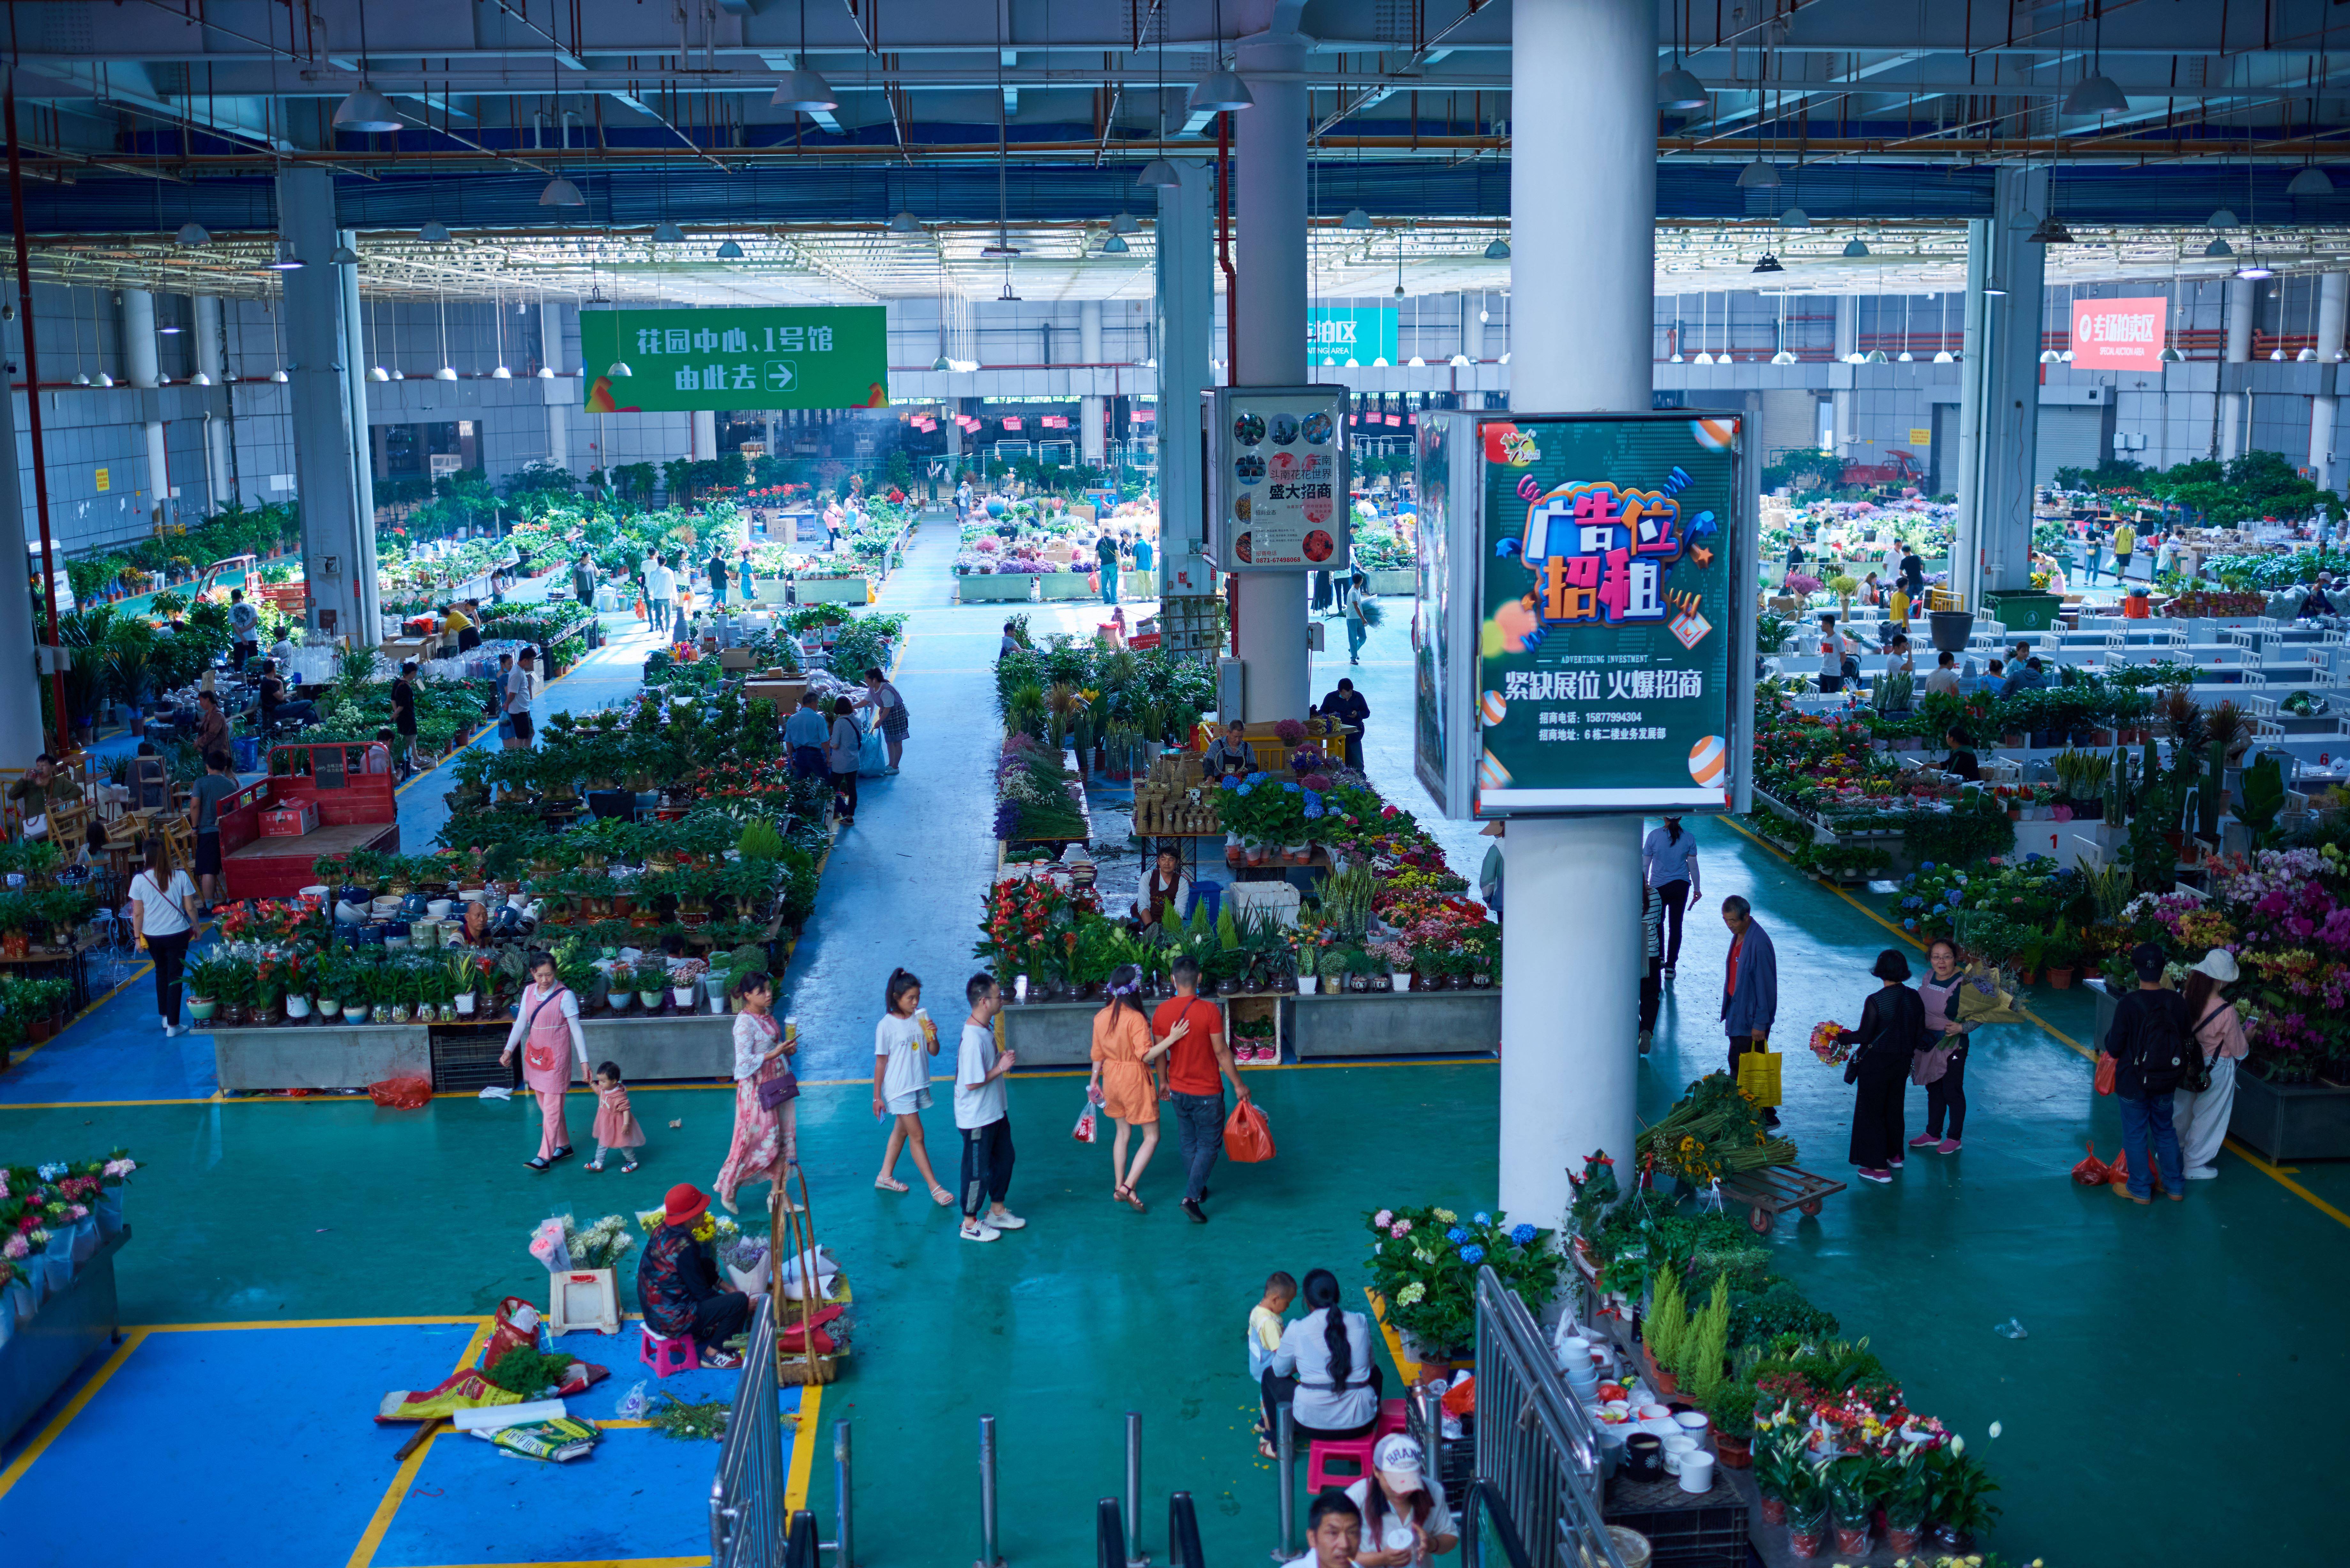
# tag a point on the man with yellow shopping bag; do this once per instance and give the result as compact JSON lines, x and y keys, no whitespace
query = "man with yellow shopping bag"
{"x":1758,"y":1075}
{"x":1750,"y":994}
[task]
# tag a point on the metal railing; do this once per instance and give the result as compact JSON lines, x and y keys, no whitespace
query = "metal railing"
{"x":1488,"y":1538}
{"x":1536,"y":1447}
{"x":1183,"y":1532}
{"x":746,"y":1499}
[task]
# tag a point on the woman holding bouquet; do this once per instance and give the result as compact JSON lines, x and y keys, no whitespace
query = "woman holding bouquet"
{"x":1946,"y":1090}
{"x":1892,"y":1029}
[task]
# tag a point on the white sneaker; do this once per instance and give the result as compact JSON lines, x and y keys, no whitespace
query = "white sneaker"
{"x":2203,"y":1173}
{"x":974,"y":1231}
{"x":171,"y":1031}
{"x":1002,"y":1220}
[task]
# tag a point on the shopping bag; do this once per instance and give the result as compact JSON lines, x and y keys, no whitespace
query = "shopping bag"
{"x":2093,"y":1171}
{"x":1084,"y":1131}
{"x":1758,"y":1077}
{"x":2119,"y":1171}
{"x":2106,"y":1067}
{"x":1247,"y":1139}
{"x":409,"y":1093}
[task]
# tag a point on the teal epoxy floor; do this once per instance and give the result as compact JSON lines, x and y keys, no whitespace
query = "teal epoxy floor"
{"x":2129,"y":1431}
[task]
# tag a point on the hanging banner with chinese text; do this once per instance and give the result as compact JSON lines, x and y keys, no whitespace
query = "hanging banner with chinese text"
{"x":1613,"y":613}
{"x":750,"y":357}
{"x":2119,"y":333}
{"x":1348,"y":334}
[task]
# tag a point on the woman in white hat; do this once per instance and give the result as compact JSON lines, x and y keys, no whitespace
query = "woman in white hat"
{"x":2201,"y":1119}
{"x":1404,"y":1520}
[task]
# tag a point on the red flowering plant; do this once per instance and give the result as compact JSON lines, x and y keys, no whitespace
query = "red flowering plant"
{"x":1031,"y":925}
{"x":272,"y":920}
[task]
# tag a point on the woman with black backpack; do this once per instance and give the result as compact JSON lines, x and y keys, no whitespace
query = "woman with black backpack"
{"x":2199,"y":1108}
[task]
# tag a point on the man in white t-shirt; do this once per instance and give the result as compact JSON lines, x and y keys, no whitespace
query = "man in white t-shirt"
{"x":660,"y":593}
{"x":1334,"y":1532}
{"x":1392,"y":1536}
{"x":982,"y":1113}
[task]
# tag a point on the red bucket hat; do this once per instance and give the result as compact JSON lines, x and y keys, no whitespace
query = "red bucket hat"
{"x":686,"y":1204}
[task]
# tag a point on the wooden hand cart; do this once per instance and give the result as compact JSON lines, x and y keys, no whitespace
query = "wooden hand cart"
{"x":1772,"y":1191}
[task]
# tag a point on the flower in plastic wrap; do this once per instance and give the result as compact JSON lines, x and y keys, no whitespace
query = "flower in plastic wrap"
{"x":1984,"y":998}
{"x":1827,"y":1041}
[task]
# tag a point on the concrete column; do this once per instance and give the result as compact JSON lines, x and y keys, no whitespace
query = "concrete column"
{"x":138,"y":366}
{"x":562,"y":394}
{"x":2333,"y":294}
{"x":322,"y":363}
{"x":1091,"y":448}
{"x":159,"y":473}
{"x":705,"y":435}
{"x":1999,"y":407}
{"x":1848,"y":343}
{"x":1269,"y":215}
{"x":20,"y":688}
{"x":1472,"y":327}
{"x":352,"y":373}
{"x":1582,"y":193}
{"x":1186,"y":295}
{"x":212,"y":359}
{"x":2243,"y":303}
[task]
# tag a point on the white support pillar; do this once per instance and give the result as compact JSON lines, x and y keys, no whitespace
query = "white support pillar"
{"x":1092,"y":447}
{"x":20,"y":688}
{"x":1187,"y":310}
{"x":2325,"y":407}
{"x":1998,"y":404}
{"x":2243,"y":303}
{"x":1847,"y":344}
{"x":561,"y":393}
{"x":1583,"y":196}
{"x":159,"y":474}
{"x":705,"y":435}
{"x":1270,"y":219}
{"x":220,"y":482}
{"x":1472,"y":327}
{"x":139,"y":336}
{"x":351,"y":381}
{"x":330,"y":471}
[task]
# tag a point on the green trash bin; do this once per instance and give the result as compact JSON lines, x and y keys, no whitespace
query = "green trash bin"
{"x":2024,"y":610}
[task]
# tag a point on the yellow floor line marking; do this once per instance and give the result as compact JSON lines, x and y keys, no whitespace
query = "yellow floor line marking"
{"x":421,"y":1320}
{"x":363,"y":1554}
{"x":596,"y":1562}
{"x":804,"y":1438}
{"x":131,"y":1340}
{"x":2274,"y":1173}
{"x":1404,"y":1365}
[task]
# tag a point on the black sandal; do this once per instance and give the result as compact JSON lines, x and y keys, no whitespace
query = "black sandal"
{"x":563,"y":1153}
{"x":536,"y":1162}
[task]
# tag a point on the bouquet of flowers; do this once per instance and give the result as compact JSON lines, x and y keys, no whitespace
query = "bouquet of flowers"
{"x":1831,"y":1042}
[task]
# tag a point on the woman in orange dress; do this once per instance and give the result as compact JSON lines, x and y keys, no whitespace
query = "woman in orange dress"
{"x":1123,"y":1083}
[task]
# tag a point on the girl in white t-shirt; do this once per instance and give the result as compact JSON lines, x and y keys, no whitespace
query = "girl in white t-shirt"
{"x":903,"y":1043}
{"x":163,"y":914}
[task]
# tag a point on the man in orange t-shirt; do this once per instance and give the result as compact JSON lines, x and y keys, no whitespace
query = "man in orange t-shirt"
{"x":1197,"y":1066}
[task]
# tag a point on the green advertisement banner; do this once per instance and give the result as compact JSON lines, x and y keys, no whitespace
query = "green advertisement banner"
{"x":1610,"y":610}
{"x":738,"y":357}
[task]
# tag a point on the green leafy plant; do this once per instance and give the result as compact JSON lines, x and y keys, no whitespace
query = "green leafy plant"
{"x":524,"y":1370}
{"x":688,"y":1420}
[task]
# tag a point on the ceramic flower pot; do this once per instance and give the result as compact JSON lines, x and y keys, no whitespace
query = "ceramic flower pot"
{"x":684,"y":997}
{"x":297,"y":1007}
{"x":465,"y":1003}
{"x":356,"y":1012}
{"x":651,"y":1000}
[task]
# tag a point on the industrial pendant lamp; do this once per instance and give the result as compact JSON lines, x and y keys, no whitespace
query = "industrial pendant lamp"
{"x":1758,"y":176}
{"x":1677,"y":89}
{"x":561,"y":193}
{"x":501,"y":373}
{"x":378,"y":373}
{"x":1114,"y":246}
{"x":2050,"y":230}
{"x":2219,"y":249}
{"x":193,"y":232}
{"x":1678,"y":357}
{"x":1160,"y":173}
{"x":2095,"y":95}
{"x":1498,"y":250}
{"x":728,"y":251}
{"x":1769,"y":263}
{"x":1124,"y":223}
{"x":366,"y":109}
{"x":433,"y":233}
{"x":803,"y":90}
{"x":2308,"y":355}
{"x":447,"y":372}
{"x":1904,"y":357}
{"x":1356,"y":218}
{"x":1854,"y":249}
{"x":1704,"y":318}
{"x":667,"y":234}
{"x":2310,"y":182}
{"x":1795,"y":218}
{"x":905,"y":222}
{"x":284,"y":259}
{"x":1220,"y":90}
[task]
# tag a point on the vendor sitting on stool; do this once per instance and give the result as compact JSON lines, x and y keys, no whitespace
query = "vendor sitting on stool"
{"x":678,"y":1285}
{"x":1231,"y":752}
{"x":1167,"y":896}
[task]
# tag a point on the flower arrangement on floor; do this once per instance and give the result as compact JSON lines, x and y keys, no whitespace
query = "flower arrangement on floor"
{"x":561,"y":1244}
{"x":1715,"y":1132}
{"x":1424,"y":1264}
{"x":52,"y":1217}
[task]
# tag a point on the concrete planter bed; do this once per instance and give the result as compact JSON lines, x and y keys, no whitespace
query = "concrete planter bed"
{"x":1365,"y":1023}
{"x":1394,"y":580}
{"x":1008,"y":587}
{"x":833,"y":591}
{"x":1066,"y":585}
{"x":649,"y":1047}
{"x":2291,"y":1121}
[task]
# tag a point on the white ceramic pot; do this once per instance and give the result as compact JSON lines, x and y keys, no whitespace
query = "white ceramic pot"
{"x":465,"y":1003}
{"x":1697,"y":1472}
{"x":683,"y":993}
{"x":297,"y":1007}
{"x":439,"y":907}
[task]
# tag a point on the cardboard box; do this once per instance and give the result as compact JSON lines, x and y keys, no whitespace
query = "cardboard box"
{"x":734,"y":659}
{"x":291,"y":821}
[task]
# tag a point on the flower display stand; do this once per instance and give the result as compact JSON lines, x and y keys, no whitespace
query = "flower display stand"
{"x":990,"y":587}
{"x":2291,"y":1121}
{"x":319,"y":1055}
{"x":1397,"y":1024}
{"x":1066,"y":585}
{"x":71,"y":1326}
{"x":831,"y":590}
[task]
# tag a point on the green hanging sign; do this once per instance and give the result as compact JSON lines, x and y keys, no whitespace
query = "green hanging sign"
{"x":745,"y":356}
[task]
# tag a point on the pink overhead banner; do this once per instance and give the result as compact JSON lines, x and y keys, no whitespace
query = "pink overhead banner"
{"x":2118,"y":334}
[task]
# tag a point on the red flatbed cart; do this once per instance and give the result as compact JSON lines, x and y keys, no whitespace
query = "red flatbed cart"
{"x":327,"y":798}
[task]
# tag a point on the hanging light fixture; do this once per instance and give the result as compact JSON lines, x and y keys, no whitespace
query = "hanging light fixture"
{"x":905,"y":222}
{"x":667,"y":234}
{"x":1795,"y":218}
{"x":2049,"y":231}
{"x":1678,"y":357}
{"x":1854,"y":249}
{"x":2310,"y":182}
{"x":561,"y":193}
{"x":433,"y":233}
{"x":1220,"y":89}
{"x":1942,"y":355}
{"x":728,"y":251}
{"x":1114,"y":246}
{"x":193,"y":232}
{"x":1678,"y":88}
{"x":1704,"y":318}
{"x":1769,"y":263}
{"x":618,"y":371}
{"x":2095,"y":95}
{"x":280,"y":377}
{"x":2222,"y":218}
{"x":366,"y":109}
{"x":1356,"y":218}
{"x":2253,"y":269}
{"x":1159,"y":174}
{"x":1498,"y":250}
{"x":803,"y":90}
{"x":2219,"y":249}
{"x":1758,"y":176}
{"x":284,"y":259}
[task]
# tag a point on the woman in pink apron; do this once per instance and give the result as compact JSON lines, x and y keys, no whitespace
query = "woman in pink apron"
{"x":766,"y":1143}
{"x":547,"y":1021}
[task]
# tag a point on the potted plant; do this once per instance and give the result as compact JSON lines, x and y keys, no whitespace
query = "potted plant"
{"x":1804,"y":1496}
{"x":357,"y":987}
{"x":331,"y":978}
{"x":1730,"y":1407}
{"x":1905,"y":1499}
{"x":2060,"y":952}
{"x":465,"y":978}
{"x":620,"y":987}
{"x":1779,"y":1464}
{"x":1961,"y":1507}
{"x":652,"y":980}
{"x":1852,"y":1498}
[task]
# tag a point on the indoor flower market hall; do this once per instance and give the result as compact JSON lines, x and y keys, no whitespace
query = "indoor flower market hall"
{"x":276,"y":262}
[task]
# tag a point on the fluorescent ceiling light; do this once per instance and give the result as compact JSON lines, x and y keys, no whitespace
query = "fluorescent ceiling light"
{"x":367,"y":110}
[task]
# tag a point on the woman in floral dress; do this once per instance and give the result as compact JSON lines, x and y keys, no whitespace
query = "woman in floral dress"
{"x":766,"y":1133}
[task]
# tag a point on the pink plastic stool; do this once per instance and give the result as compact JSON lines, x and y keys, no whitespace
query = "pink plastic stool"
{"x":1391,"y":1418}
{"x":668,"y":1355}
{"x":1319,"y":1476}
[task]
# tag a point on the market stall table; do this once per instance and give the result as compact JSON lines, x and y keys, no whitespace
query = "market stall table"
{"x":73,"y":1325}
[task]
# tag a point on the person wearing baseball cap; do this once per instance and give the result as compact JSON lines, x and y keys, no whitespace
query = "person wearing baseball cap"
{"x":679,"y":1285}
{"x":2199,"y":1116}
{"x":1405,"y":1519}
